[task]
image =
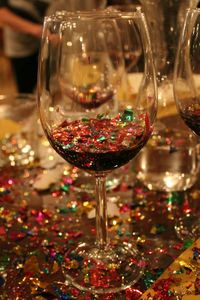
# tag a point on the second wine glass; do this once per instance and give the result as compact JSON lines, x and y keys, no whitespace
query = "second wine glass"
{"x":187,"y":96}
{"x":81,"y":68}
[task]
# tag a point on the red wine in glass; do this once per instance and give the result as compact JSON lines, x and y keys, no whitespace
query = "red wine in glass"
{"x":191,"y":117}
{"x":89,"y":97}
{"x":100,"y":144}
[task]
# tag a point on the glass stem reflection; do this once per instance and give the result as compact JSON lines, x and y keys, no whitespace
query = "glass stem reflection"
{"x":101,"y":212}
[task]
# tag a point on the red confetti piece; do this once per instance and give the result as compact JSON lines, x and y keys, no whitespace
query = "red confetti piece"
{"x":99,"y":279}
{"x":162,"y":289}
{"x":2,"y":231}
{"x":148,"y":124}
{"x":17,"y":236}
{"x":124,"y":208}
{"x":75,"y":292}
{"x":132,"y":293}
{"x":56,"y":194}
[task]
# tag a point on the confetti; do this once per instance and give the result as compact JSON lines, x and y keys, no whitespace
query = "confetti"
{"x":38,"y":226}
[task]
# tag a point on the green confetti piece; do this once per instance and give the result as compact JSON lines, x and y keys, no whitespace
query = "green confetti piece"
{"x":73,"y":209}
{"x":46,"y":271}
{"x":100,"y":116}
{"x":63,"y":210}
{"x":159,"y":273}
{"x":127,"y":115}
{"x":175,"y":198}
{"x":94,"y":95}
{"x":65,"y":188}
{"x":187,"y":244}
{"x":59,"y":257}
{"x":68,"y":146}
{"x":4,"y":262}
{"x":119,"y":232}
{"x":148,"y":279}
{"x":169,"y":293}
{"x":160,"y":228}
{"x":101,"y":139}
{"x":85,"y":120}
{"x":128,"y":233}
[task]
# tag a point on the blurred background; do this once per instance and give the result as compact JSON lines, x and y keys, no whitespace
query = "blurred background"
{"x":8,"y":84}
{"x":7,"y":79}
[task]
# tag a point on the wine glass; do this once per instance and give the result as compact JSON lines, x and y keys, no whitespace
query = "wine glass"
{"x":81,"y":67}
{"x":187,"y":96}
{"x":130,"y":42}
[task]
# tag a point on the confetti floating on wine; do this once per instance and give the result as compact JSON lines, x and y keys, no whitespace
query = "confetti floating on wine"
{"x":101,"y":144}
{"x":90,"y":97}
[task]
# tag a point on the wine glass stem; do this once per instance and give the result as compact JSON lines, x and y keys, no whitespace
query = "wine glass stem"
{"x":101,"y":212}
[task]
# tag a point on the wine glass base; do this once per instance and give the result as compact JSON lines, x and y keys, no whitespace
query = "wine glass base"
{"x":98,"y":271}
{"x":188,"y":228}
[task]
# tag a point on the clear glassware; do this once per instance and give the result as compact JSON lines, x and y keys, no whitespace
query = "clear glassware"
{"x":177,"y":153}
{"x":187,"y":96}
{"x":91,"y":127}
{"x":18,"y":139}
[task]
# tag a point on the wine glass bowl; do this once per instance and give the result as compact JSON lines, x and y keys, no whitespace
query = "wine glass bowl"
{"x":187,"y":95}
{"x":87,"y":123}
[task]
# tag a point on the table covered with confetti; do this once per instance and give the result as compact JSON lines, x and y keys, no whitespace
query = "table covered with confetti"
{"x":45,"y":210}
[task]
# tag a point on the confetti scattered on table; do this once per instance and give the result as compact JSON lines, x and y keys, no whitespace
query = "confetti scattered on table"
{"x":38,"y":226}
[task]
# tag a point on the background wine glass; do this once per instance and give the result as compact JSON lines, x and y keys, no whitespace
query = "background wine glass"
{"x":133,"y":58}
{"x":187,"y":96}
{"x":92,"y":128}
{"x":130,"y":43}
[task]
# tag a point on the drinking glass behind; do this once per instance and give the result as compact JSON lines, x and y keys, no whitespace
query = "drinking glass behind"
{"x":91,"y":127}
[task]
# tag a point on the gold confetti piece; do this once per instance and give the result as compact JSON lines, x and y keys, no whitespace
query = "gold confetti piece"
{"x":74,"y":264}
{"x":195,"y":195}
{"x":38,"y":283}
{"x":31,"y":266}
{"x":187,"y":265}
{"x":55,"y":267}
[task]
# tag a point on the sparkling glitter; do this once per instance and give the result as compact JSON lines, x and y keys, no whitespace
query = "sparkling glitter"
{"x":34,"y":240}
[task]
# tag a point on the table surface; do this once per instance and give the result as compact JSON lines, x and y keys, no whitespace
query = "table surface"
{"x":37,"y":227}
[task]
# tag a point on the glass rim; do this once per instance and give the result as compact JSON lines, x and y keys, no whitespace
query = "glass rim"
{"x":64,"y":15}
